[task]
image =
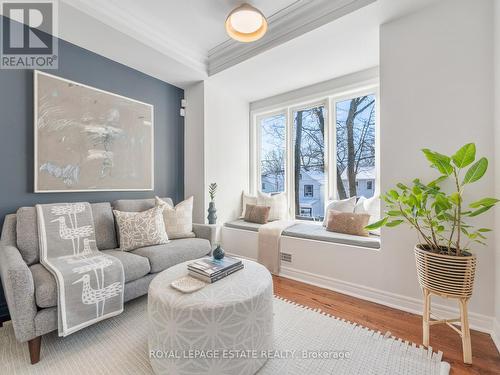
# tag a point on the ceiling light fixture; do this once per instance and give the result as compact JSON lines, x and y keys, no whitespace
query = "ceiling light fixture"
{"x":246,"y":24}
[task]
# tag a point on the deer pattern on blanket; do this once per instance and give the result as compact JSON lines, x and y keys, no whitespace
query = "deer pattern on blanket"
{"x":86,"y":278}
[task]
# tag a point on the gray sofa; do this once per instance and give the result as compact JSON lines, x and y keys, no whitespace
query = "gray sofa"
{"x":30,"y":289}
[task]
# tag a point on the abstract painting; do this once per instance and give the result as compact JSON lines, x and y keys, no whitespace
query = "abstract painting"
{"x":88,"y":139}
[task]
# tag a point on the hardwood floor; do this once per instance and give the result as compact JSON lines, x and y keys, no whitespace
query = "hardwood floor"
{"x":485,"y":360}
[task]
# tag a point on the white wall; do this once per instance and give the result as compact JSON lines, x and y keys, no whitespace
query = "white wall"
{"x":497,"y":170}
{"x":436,"y":82}
{"x":436,"y":71}
{"x":194,"y":149}
{"x":226,"y":147}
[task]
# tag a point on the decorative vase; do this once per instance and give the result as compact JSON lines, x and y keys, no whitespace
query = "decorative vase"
{"x":218,"y":253}
{"x":212,"y":213}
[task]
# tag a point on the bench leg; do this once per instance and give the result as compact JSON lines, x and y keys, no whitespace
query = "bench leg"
{"x":34,"y":346}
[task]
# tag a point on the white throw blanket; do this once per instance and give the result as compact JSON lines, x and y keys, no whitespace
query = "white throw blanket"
{"x":269,"y":244}
{"x":89,"y":283}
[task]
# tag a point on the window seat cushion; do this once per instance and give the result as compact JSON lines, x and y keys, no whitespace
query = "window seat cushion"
{"x":242,"y":224}
{"x":313,"y":231}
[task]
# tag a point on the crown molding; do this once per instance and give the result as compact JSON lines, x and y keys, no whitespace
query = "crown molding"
{"x":299,"y":18}
{"x":126,"y":22}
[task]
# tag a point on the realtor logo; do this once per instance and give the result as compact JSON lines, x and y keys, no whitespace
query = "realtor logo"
{"x":28,"y":35}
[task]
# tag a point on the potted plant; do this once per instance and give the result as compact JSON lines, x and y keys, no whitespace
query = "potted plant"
{"x":212,"y":211}
{"x":443,"y":222}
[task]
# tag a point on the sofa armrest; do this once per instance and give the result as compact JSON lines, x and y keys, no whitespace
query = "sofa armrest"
{"x":19,"y":291}
{"x":206,"y":231}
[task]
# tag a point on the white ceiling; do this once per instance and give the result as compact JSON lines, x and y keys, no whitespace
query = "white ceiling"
{"x":347,"y":45}
{"x":173,"y":40}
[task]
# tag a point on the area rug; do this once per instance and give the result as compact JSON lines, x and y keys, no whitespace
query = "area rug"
{"x":306,"y":342}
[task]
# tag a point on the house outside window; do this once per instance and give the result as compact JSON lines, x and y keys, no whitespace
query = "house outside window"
{"x":308,"y":191}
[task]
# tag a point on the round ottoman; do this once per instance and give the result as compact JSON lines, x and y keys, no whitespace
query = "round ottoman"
{"x":224,"y":328}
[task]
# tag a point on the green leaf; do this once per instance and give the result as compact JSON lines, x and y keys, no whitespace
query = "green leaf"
{"x":479,"y":211}
{"x":484,"y":202}
{"x":477,"y":171}
{"x":456,"y":198}
{"x":393,"y":223}
{"x":437,"y":181}
{"x":377,"y":224}
{"x":484,"y":230}
{"x":393,"y":213}
{"x":394,"y":194}
{"x":440,"y":161}
{"x":402,"y":186}
{"x":465,"y":155}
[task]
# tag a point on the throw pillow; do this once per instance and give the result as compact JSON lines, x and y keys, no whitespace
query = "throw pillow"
{"x":344,"y":205}
{"x":277,"y":202}
{"x":247,"y":199}
{"x":139,"y":229}
{"x":370,"y":206}
{"x":179,"y":219}
{"x":347,"y":222}
{"x":257,"y":214}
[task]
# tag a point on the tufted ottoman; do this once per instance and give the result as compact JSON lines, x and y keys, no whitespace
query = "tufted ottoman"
{"x":224,"y":328}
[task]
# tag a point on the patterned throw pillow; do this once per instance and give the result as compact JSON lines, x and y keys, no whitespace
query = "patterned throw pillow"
{"x":179,"y":219}
{"x":348,"y":223}
{"x":139,"y":229}
{"x":257,"y":214}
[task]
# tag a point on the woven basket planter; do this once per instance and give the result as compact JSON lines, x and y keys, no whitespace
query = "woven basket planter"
{"x":446,"y":275}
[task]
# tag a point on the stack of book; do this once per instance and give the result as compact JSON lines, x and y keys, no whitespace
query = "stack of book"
{"x":210,"y":270}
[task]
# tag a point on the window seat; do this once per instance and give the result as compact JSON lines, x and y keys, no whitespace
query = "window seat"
{"x":314,"y":231}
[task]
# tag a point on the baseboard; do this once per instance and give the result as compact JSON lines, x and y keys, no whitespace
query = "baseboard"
{"x":477,"y":321}
{"x":496,"y":333}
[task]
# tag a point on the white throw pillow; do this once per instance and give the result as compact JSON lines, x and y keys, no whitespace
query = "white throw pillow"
{"x":277,"y":202}
{"x":247,"y":199}
{"x":369,"y":206}
{"x":344,"y":205}
{"x":139,"y":229}
{"x":179,"y":219}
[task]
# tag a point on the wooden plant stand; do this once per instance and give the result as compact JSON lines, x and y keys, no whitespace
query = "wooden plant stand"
{"x":446,"y":276}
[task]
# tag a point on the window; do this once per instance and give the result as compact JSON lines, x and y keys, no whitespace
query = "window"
{"x":309,"y":155}
{"x":308,"y":191}
{"x":355,"y":141}
{"x":272,"y":153}
{"x":321,"y":150}
{"x":306,"y":211}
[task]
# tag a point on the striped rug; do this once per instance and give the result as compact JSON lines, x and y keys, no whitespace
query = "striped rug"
{"x":307,"y":342}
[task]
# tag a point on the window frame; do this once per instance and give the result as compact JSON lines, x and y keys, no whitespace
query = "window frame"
{"x":328,"y":100}
{"x":309,"y":194}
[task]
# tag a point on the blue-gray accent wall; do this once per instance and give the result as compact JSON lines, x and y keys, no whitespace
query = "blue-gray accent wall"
{"x":83,"y":66}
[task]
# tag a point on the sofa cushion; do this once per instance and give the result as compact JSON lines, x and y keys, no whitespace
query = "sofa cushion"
{"x":137,"y":205}
{"x":27,"y":230}
{"x":164,"y":256}
{"x":317,"y":232}
{"x":134,"y":267}
{"x":45,"y":286}
{"x":104,"y":222}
